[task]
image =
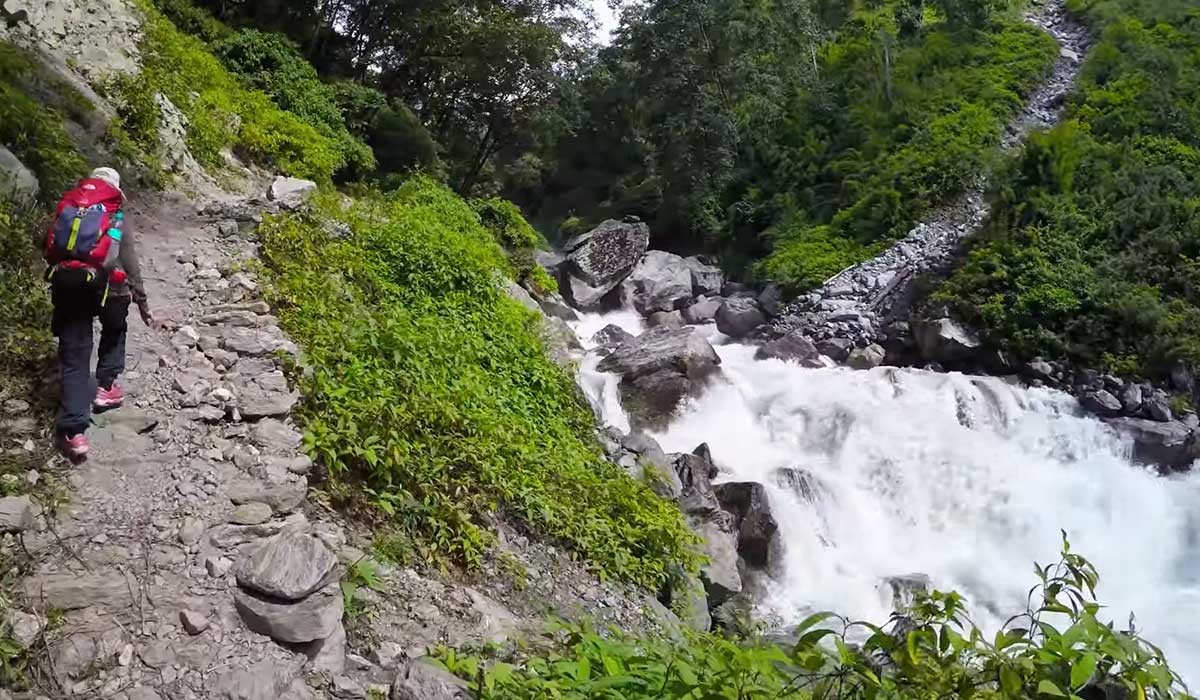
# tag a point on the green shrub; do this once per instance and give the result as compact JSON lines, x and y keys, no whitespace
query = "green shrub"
{"x":430,"y":388}
{"x":808,"y":255}
{"x":221,"y":112}
{"x":1058,"y":648}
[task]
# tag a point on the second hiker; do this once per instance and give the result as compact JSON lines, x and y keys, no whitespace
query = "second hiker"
{"x":93,"y":273}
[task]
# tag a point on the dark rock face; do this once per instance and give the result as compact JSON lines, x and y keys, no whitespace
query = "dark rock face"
{"x":792,"y":347}
{"x":739,"y":316}
{"x":1171,"y":446}
{"x":660,"y":367}
{"x":945,"y":340}
{"x":599,"y":260}
{"x":755,"y":524}
{"x":611,"y":336}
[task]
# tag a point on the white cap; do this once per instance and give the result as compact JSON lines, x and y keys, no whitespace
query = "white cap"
{"x":108,"y":175}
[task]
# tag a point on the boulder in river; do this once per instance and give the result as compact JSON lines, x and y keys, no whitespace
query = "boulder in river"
{"x":665,"y":319}
{"x":659,"y":368}
{"x":707,"y":280}
{"x":599,"y":260}
{"x":703,"y":310}
{"x":836,"y":349}
{"x":611,"y":336}
{"x":1130,"y":397}
{"x":1171,"y":446}
{"x":754,"y":522}
{"x":771,"y":300}
{"x":661,"y":282}
{"x":700,"y":506}
{"x":869,"y":357}
{"x":1157,"y":406}
{"x":793,"y":347}
{"x":945,"y":340}
{"x":1101,"y":402}
{"x":739,"y":316}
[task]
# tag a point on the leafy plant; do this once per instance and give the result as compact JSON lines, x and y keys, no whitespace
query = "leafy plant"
{"x":1057,"y":648}
{"x":431,"y":398}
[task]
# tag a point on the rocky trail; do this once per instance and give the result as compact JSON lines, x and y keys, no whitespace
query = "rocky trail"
{"x":190,"y":560}
{"x":860,"y":302}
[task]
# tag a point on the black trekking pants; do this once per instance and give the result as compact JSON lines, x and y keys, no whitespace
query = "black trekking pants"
{"x":77,"y":301}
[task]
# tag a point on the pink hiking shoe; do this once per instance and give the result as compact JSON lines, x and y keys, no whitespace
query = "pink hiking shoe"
{"x":74,"y":447}
{"x":109,"y":398}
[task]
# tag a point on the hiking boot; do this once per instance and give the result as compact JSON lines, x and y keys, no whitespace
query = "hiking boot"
{"x":74,"y":447}
{"x":109,"y":398}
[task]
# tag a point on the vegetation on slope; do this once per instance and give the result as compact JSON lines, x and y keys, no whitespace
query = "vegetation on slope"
{"x":1095,"y":251}
{"x":1058,"y":648}
{"x":431,"y":388}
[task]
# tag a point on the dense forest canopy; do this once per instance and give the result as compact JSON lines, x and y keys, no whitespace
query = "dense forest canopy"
{"x":791,"y":137}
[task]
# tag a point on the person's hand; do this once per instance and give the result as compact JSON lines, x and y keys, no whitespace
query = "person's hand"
{"x":147,"y":316}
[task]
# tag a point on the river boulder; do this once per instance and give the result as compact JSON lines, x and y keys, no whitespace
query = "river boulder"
{"x":869,"y":357}
{"x":721,"y":576}
{"x":661,"y":282}
{"x":599,"y":260}
{"x":1171,"y":446}
{"x":611,"y":336}
{"x":703,"y":310}
{"x":753,"y":521}
{"x":659,"y":368}
{"x":945,"y":340}
{"x":1101,"y":402}
{"x":739,"y":316}
{"x":793,"y":347}
{"x":771,"y":300}
{"x":665,"y":319}
{"x":1130,"y":397}
{"x":1157,"y":406}
{"x":836,"y":349}
{"x":707,"y":280}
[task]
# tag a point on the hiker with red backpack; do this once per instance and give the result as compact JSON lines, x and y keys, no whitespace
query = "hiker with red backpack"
{"x":93,"y":273}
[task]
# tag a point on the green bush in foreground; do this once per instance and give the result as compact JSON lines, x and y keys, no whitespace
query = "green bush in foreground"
{"x":430,"y":388}
{"x":1057,"y":648}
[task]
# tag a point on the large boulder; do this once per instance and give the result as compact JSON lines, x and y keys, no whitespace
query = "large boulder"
{"x":793,"y":347}
{"x":869,"y":357}
{"x":599,"y":260}
{"x":1157,"y":406}
{"x":1101,"y":402}
{"x":739,"y":316}
{"x":703,"y":310}
{"x":1171,"y":445}
{"x":836,"y":349}
{"x":661,"y":282}
{"x":771,"y":300}
{"x":659,"y":369}
{"x":316,"y":617}
{"x":16,"y":181}
{"x":290,"y":192}
{"x":707,"y":280}
{"x":612,"y":336}
{"x":945,"y":340}
{"x":289,"y":566}
{"x":700,"y":506}
{"x":755,"y":524}
{"x":644,"y":460}
{"x":1130,"y":397}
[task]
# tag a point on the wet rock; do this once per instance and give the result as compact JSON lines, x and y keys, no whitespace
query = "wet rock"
{"x":611,"y":336}
{"x":1130,"y":397}
{"x":422,"y":680}
{"x":1101,"y":403}
{"x":1169,"y":445}
{"x":194,"y":623}
{"x":836,"y":349}
{"x":251,"y":514}
{"x":18,"y":514}
{"x":290,"y":192}
{"x":755,"y":524}
{"x":869,"y":357}
{"x":802,"y":483}
{"x":288,"y":566}
{"x":945,"y":340}
{"x":704,"y":310}
{"x":661,"y":282}
{"x":659,"y":369}
{"x":707,"y":280}
{"x":771,"y":300}
{"x":1157,"y":406}
{"x":739,"y":316}
{"x":665,"y":319}
{"x":793,"y":347}
{"x":904,"y":590}
{"x":283,"y":498}
{"x":316,"y":617}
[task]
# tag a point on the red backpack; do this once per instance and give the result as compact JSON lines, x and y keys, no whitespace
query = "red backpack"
{"x":86,"y":225}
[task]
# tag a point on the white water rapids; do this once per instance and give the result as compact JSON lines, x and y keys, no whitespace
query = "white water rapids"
{"x":968,"y":480}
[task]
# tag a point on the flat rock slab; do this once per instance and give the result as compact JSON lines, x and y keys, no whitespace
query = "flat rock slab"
{"x":316,"y":617}
{"x":69,"y":590}
{"x":289,"y":566}
{"x":283,"y":498}
{"x":253,"y":513}
{"x":255,"y":402}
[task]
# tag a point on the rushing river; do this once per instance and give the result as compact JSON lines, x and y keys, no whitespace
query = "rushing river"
{"x":967,"y":480}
